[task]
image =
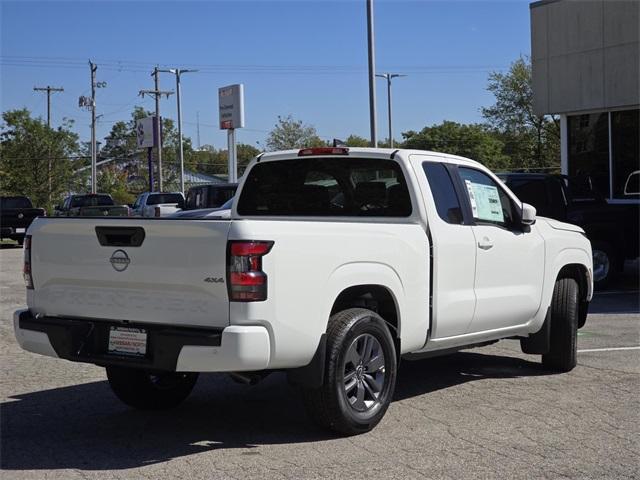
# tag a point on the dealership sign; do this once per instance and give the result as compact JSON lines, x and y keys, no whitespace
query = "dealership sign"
{"x":231,"y":106}
{"x":146,"y":132}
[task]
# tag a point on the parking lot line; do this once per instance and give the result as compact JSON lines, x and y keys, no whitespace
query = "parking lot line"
{"x":611,"y":349}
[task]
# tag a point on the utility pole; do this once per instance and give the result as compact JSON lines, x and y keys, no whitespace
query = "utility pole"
{"x":372,"y":71}
{"x":389,"y":77}
{"x":177,"y":72}
{"x":157,"y":93}
{"x":198,"y":126}
{"x":94,"y":153}
{"x":49,"y":91}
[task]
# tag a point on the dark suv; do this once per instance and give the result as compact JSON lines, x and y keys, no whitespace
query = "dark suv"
{"x":613,"y":229}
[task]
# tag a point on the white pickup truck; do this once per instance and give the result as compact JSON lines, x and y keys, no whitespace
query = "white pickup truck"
{"x":155,"y":204}
{"x":335,"y":263}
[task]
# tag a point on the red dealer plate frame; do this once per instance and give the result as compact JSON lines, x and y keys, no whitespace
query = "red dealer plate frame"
{"x":127,"y":341}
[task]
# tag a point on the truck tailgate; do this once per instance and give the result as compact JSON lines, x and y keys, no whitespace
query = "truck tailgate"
{"x":175,"y":276}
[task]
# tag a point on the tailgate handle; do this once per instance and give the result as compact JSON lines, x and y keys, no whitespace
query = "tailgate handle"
{"x":120,"y":236}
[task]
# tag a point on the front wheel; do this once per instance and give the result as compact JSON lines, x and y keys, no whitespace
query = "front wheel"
{"x":360,"y":373}
{"x":563,"y":351}
{"x":150,"y":390}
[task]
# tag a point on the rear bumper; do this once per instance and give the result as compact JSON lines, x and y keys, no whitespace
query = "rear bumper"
{"x":235,"y":348}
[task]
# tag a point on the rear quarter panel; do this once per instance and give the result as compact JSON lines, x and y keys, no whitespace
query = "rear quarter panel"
{"x":311,"y":262}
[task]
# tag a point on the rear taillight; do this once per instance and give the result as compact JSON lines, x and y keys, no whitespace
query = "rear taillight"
{"x":26,"y":269}
{"x":246,"y":282}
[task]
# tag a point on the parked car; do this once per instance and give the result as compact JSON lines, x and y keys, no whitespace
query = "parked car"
{"x":155,"y":204}
{"x":16,"y":214}
{"x":335,"y":263}
{"x":612,"y":228}
{"x":90,"y":205}
{"x":209,"y":196}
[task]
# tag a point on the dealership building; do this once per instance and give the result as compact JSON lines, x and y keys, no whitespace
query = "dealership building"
{"x":585,"y":57}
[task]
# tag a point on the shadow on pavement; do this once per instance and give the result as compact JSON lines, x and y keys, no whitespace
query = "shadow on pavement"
{"x":85,"y":427}
{"x":9,"y":246}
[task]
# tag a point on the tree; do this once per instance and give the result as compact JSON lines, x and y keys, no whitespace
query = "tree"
{"x":357,"y":141}
{"x":474,"y":141}
{"x":532,"y":141}
{"x":114,"y":181}
{"x":26,"y":146}
{"x":289,"y":133}
{"x":121,"y":145}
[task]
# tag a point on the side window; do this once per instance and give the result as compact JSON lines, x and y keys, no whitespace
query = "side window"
{"x":444,"y":193}
{"x":489,"y":202}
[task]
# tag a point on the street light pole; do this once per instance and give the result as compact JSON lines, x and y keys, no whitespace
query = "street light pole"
{"x":177,"y":73}
{"x":388,"y":77}
{"x":372,"y":70}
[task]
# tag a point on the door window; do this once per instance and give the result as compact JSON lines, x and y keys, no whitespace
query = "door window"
{"x":444,"y":193}
{"x":489,"y":202}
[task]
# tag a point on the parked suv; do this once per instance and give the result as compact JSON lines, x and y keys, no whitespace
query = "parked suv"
{"x":612,"y":228}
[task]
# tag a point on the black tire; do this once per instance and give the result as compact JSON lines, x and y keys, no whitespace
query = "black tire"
{"x":606,"y":264}
{"x":355,"y":340}
{"x":563,"y":351}
{"x":150,"y":390}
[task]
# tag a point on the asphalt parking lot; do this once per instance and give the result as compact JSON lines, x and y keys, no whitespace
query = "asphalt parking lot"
{"x":483,"y":413}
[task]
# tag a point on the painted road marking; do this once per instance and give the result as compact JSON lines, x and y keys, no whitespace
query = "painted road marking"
{"x":612,"y":349}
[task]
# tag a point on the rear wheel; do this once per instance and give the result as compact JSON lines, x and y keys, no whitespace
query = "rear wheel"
{"x":150,"y":390}
{"x":360,"y":373}
{"x":563,"y":351}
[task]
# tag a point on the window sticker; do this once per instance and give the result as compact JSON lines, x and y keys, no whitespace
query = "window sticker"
{"x":485,"y":202}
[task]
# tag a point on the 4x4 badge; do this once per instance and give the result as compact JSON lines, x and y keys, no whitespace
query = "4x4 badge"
{"x":214,"y":280}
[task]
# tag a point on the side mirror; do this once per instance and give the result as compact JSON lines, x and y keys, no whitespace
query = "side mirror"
{"x":528,"y":214}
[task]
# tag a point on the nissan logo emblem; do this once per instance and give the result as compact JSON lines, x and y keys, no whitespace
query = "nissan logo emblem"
{"x":119,"y":260}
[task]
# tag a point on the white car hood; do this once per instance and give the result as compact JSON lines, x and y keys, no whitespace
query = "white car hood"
{"x":568,"y":227}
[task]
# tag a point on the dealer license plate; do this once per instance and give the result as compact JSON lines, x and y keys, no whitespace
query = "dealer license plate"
{"x":128,"y":341}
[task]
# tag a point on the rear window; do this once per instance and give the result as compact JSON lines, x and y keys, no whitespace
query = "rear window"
{"x":326,"y":187}
{"x":160,"y":198}
{"x":15,"y":202}
{"x":91,"y":201}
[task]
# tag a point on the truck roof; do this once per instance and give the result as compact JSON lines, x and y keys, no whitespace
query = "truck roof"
{"x":366,"y":152}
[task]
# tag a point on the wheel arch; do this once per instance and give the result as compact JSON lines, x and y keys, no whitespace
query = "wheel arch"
{"x":580,"y":273}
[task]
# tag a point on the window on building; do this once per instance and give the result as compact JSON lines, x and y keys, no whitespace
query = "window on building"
{"x":625,"y":151}
{"x":588,"y":158}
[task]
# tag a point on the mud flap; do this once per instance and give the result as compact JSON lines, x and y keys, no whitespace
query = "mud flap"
{"x":539,"y":343}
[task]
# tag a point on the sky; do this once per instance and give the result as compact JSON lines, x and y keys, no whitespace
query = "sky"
{"x":302,"y":58}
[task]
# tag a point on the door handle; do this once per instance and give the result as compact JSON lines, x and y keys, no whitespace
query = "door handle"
{"x":485,"y":243}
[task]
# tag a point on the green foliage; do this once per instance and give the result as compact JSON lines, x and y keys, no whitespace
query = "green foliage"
{"x":356,"y":141}
{"x":289,"y":133}
{"x":474,"y":141}
{"x":26,"y":146}
{"x":113,"y":180}
{"x":532,"y":141}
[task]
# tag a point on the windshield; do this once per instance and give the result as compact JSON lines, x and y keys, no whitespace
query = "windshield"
{"x":16,"y":202}
{"x":91,"y":201}
{"x":160,"y":198}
